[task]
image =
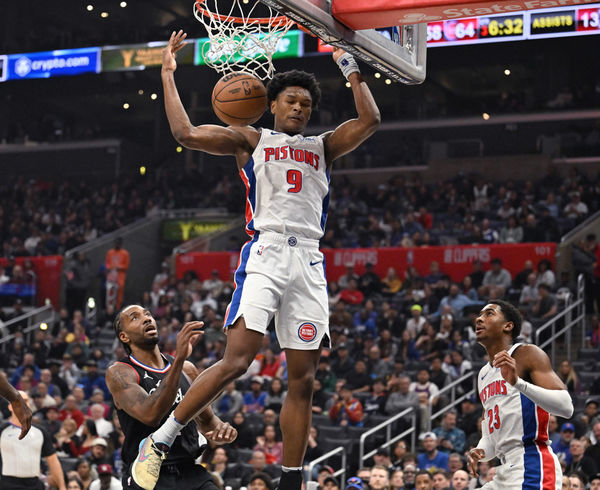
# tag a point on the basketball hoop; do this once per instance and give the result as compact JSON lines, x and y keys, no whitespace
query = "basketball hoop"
{"x":237,"y":40}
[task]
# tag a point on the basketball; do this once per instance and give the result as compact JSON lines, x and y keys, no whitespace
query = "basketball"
{"x":239,"y":99}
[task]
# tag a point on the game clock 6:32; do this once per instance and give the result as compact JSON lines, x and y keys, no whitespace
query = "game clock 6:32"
{"x":501,"y":26}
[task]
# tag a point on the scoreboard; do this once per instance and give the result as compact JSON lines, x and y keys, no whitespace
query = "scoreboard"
{"x":518,"y":26}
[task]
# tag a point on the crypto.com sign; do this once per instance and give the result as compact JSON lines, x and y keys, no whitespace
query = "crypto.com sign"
{"x":365,"y":14}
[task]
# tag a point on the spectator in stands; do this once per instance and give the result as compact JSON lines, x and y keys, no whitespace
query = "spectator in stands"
{"x":496,"y":281}
{"x":437,"y":280}
{"x":576,"y":209}
{"x":470,"y":413}
{"x":589,"y":417}
{"x":69,"y":371}
{"x":344,"y":281}
{"x":71,"y":411}
{"x":78,"y":274}
{"x":275,"y":395}
{"x":562,"y":447}
{"x":512,"y":232}
{"x":391,"y":283}
{"x":245,"y":438}
{"x":267,"y":443}
{"x":269,"y":364}
{"x":352,"y":295}
{"x":415,"y":324}
{"x":506,"y":210}
{"x":437,"y":374}
{"x":489,"y":234}
{"x":545,"y":307}
{"x":343,"y":365}
{"x":577,"y":480}
{"x":340,"y":319}
{"x":531,"y":231}
{"x":106,"y":480}
{"x":397,"y":480}
{"x":569,"y":377}
{"x":545,"y":275}
{"x":595,"y":482}
{"x":580,"y":462}
{"x":402,"y":398}
{"x":229,"y":402}
{"x":347,"y":410}
{"x":375,"y":404}
{"x":259,"y":465}
{"x":522,"y":277}
{"x":117,"y":263}
{"x":455,"y":462}
{"x":359,"y":379}
{"x":460,"y":480}
{"x":93,"y":380}
{"x":254,"y":400}
{"x":376,"y":366}
{"x":441,"y":480}
{"x":529,"y":294}
{"x":365,"y":320}
{"x":369,"y":283}
{"x":594,"y":450}
{"x":431,"y":459}
{"x":450,"y":437}
{"x":380,"y":478}
{"x":424,"y":385}
{"x":387,"y":345}
{"x":103,"y":426}
{"x":455,"y":300}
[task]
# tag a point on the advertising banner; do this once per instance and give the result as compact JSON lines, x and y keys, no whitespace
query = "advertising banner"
{"x":142,"y":56}
{"x":179,"y":230}
{"x":48,"y":270}
{"x":52,"y":63}
{"x":455,"y":260}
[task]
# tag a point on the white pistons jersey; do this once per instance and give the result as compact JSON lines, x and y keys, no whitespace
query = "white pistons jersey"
{"x":517,"y":428}
{"x":287,"y":185}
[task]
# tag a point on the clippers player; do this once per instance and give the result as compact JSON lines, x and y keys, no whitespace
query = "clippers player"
{"x":281,"y":273}
{"x":146,"y":386}
{"x":519,"y":390}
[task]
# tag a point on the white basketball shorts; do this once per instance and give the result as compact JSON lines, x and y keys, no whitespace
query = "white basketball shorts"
{"x":535,"y":467}
{"x":282,"y":276}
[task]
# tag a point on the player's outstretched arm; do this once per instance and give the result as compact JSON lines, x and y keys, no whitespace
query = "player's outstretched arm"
{"x":150,"y":409}
{"x":349,"y":135}
{"x":210,"y":138}
{"x":545,"y":389}
{"x":19,"y":406}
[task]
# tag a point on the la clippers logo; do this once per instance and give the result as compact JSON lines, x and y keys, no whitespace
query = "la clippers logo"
{"x":307,"y":332}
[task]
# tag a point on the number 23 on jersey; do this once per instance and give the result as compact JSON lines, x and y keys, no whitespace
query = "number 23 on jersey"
{"x":493,"y":417}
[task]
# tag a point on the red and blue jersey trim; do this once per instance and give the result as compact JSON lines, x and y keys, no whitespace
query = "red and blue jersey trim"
{"x":540,"y":471}
{"x":149,"y":368}
{"x":249,"y":179}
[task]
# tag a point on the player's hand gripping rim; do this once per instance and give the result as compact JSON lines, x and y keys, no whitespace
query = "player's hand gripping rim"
{"x":473,"y":458}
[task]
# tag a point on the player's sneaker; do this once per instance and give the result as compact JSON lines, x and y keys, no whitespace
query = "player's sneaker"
{"x":145,"y":470}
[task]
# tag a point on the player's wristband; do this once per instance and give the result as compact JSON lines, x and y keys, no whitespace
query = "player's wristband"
{"x":556,"y":402}
{"x":348,"y":65}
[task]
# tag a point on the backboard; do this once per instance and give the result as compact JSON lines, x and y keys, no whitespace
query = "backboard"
{"x":401,"y":58}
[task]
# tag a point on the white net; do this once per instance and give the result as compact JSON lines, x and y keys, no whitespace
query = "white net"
{"x":237,"y":40}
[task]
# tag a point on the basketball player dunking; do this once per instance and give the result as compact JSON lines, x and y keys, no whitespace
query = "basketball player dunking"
{"x":519,"y":390}
{"x":281,"y":272}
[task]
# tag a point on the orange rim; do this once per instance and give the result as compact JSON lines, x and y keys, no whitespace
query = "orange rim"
{"x":277,"y":21}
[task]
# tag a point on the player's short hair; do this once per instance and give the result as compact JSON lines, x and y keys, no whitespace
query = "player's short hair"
{"x":511,"y":313}
{"x":118,"y":327}
{"x":294,"y":78}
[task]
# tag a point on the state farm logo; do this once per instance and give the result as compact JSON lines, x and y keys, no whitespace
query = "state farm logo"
{"x":307,"y":332}
{"x":23,"y":66}
{"x":417,"y":18}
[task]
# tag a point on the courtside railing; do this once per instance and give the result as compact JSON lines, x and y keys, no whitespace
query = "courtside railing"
{"x":27,"y":324}
{"x":571,"y":317}
{"x":387,"y":425}
{"x":339,"y":472}
{"x":454,"y":399}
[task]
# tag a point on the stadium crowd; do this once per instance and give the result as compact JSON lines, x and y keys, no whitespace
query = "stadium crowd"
{"x":396,"y":342}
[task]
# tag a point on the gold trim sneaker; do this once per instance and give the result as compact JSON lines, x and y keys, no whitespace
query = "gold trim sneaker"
{"x":145,"y":470}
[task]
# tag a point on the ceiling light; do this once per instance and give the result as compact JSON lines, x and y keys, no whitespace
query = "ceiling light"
{"x":140,"y":92}
{"x":142,"y":170}
{"x":154,"y":96}
{"x":388,"y":81}
{"x":485,"y":116}
{"x":179,"y":149}
{"x":123,"y":4}
{"x":377,"y":75}
{"x":125,"y":106}
{"x":507,"y":72}
{"x":90,"y":8}
{"x":104,"y":15}
{"x":348,"y":84}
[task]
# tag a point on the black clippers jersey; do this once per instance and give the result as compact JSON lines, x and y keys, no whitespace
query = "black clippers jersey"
{"x":186,"y":446}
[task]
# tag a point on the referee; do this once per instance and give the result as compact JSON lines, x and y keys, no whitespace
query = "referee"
{"x":21,"y":458}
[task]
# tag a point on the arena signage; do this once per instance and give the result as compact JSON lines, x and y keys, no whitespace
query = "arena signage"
{"x":365,"y":14}
{"x":141,"y":56}
{"x":179,"y":231}
{"x":52,"y":63}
